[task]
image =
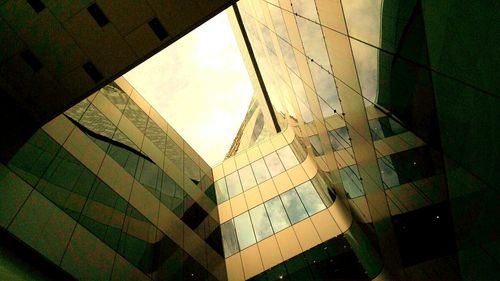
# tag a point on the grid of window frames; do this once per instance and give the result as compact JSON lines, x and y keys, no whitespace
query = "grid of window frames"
{"x":273,"y":216}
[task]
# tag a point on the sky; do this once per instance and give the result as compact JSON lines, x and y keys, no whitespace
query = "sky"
{"x":200,"y":86}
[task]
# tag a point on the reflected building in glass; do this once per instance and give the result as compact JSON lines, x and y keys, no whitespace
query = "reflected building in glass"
{"x":358,"y":158}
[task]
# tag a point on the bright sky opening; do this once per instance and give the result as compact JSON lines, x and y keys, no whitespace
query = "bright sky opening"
{"x":200,"y":86}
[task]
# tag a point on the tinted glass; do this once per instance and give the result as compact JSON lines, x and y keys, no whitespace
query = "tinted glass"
{"x":260,"y":222}
{"x":233,"y":184}
{"x":274,"y":164}
{"x":287,"y":157}
{"x":247,"y":178}
{"x":293,"y":206}
{"x":310,"y":198}
{"x":244,"y":230}
{"x":277,"y":215}
{"x":260,"y":170}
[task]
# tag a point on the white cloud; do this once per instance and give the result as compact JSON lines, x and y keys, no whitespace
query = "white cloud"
{"x":200,"y":86}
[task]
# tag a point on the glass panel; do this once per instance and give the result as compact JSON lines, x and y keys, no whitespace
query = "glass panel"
{"x":339,"y":138}
{"x":388,"y":173}
{"x":277,"y":215}
{"x":135,"y":114}
{"x":310,"y":198}
{"x":260,"y":221}
{"x":293,"y":206}
{"x":350,"y":179}
{"x":274,"y":164}
{"x":316,"y":145}
{"x":221,"y":190}
{"x":247,"y":178}
{"x":244,"y":230}
{"x":233,"y":184}
{"x":287,"y":157}
{"x":260,"y":170}
{"x":229,"y":240}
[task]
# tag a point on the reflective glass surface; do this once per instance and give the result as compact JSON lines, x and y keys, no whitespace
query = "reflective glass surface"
{"x":274,"y":164}
{"x":244,"y":230}
{"x":229,"y":241}
{"x":277,"y":214}
{"x":293,"y":206}
{"x":260,"y":221}
{"x":247,"y":178}
{"x":287,"y":157}
{"x":310,"y":198}
{"x":260,"y":170}
{"x":221,"y":190}
{"x":233,"y":184}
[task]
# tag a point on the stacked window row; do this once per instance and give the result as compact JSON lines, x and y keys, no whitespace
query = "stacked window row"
{"x":272,"y":216}
{"x":395,"y":169}
{"x":74,"y":189}
{"x":257,"y":172}
{"x":161,"y":186}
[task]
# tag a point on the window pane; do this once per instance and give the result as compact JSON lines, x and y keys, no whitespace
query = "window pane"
{"x":244,"y":230}
{"x":293,"y":206}
{"x":339,"y":138}
{"x":350,"y":179}
{"x":310,"y":198}
{"x":287,"y":157}
{"x":274,"y":164}
{"x":316,"y":145}
{"x":277,"y":215}
{"x":221,"y":190}
{"x":229,"y":240}
{"x":260,"y":222}
{"x":260,"y":171}
{"x":233,"y":185}
{"x":247,"y":178}
{"x":388,"y":172}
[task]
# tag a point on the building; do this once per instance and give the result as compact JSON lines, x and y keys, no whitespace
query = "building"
{"x":368,"y":152}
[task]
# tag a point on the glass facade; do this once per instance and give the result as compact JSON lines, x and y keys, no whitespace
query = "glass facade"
{"x":367,"y":152}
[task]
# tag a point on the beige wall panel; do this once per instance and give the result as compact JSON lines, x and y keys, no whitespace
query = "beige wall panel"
{"x":253,"y":197}
{"x":235,"y":268}
{"x":124,"y":85}
{"x":325,"y":225}
{"x":267,"y":190}
{"x":310,"y":167}
{"x":252,"y":262}
{"x":288,"y":243}
{"x":59,"y":128}
{"x":241,"y":160}
{"x":282,"y":182}
{"x":341,"y":215}
{"x":225,"y":213}
{"x":218,"y":172}
{"x":279,"y":141}
{"x":270,"y":252}
{"x":297,"y":175}
{"x":339,"y":50}
{"x":306,"y":234}
{"x":229,"y":166}
{"x":266,"y":147}
{"x":331,"y":14}
{"x":238,"y":204}
{"x":254,"y":153}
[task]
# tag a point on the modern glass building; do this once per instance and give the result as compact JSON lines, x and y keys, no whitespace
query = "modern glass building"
{"x":368,"y":151}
